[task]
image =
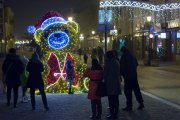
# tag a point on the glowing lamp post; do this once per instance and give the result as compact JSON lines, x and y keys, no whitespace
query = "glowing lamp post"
{"x":70,"y":18}
{"x":149,"y":18}
{"x":93,"y":33}
{"x":81,"y":38}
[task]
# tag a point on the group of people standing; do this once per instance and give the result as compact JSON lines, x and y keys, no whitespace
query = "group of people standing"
{"x":15,"y":70}
{"x":114,"y":69}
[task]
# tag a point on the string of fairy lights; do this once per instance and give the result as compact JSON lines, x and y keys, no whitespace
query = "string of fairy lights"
{"x":136,"y":4}
{"x":140,"y":10}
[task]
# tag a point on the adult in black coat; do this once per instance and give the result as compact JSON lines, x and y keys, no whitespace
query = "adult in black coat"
{"x":35,"y":67}
{"x":128,"y":69}
{"x":112,"y":80}
{"x":12,"y":68}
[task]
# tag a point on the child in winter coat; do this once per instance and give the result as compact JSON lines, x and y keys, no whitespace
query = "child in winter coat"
{"x":70,"y":75}
{"x":24,"y":77}
{"x":95,"y":73}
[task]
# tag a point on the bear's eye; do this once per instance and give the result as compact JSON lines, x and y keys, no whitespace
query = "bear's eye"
{"x":57,"y":35}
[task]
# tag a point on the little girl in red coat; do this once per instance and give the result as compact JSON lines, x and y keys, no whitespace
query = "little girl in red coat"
{"x":95,"y":73}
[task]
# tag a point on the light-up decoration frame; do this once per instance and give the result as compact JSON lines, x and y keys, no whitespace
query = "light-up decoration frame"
{"x":51,"y":21}
{"x":119,"y":3}
{"x":58,"y":40}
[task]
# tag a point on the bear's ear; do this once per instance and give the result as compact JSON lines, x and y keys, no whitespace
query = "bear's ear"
{"x":38,"y":35}
{"x":73,"y":25}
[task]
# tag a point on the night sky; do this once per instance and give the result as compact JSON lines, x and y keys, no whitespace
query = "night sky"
{"x":27,"y":12}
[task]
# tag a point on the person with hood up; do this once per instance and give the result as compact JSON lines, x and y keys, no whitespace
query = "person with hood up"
{"x":35,"y":68}
{"x":12,"y":68}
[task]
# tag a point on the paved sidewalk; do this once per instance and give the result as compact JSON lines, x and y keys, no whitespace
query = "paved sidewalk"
{"x":161,"y":81}
{"x":77,"y":107}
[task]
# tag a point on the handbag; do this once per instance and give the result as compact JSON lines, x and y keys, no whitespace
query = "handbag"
{"x":101,"y":90}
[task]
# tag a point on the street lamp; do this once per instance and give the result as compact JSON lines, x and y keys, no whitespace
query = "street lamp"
{"x":149,"y":18}
{"x":93,"y":33}
{"x":70,"y":18}
{"x":81,"y":38}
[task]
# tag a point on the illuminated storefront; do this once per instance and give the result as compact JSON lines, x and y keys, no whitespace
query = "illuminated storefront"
{"x":131,"y":18}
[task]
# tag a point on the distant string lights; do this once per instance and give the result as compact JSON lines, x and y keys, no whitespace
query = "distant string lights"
{"x":124,"y":3}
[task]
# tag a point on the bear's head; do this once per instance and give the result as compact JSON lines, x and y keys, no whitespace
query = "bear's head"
{"x":53,"y":32}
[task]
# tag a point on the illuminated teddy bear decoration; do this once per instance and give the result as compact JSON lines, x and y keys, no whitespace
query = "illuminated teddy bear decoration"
{"x":57,"y":37}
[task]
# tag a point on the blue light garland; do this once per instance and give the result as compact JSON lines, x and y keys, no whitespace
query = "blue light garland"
{"x":58,"y":40}
{"x":51,"y":21}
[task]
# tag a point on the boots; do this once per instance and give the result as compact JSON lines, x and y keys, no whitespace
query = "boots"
{"x":99,"y":112}
{"x":70,"y":91}
{"x":141,"y":106}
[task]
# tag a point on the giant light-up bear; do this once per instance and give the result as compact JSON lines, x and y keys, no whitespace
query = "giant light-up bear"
{"x":57,"y":37}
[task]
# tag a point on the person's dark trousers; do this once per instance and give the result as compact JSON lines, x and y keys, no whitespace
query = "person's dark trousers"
{"x":96,"y":107}
{"x":137,"y":92}
{"x":128,"y":94}
{"x":24,"y":89}
{"x":15,"y":90}
{"x":70,"y":87}
{"x":129,"y":86}
{"x":32,"y":95}
{"x":43,"y":95}
{"x":113,"y":104}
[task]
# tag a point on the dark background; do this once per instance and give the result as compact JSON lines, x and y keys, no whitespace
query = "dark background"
{"x":27,"y":12}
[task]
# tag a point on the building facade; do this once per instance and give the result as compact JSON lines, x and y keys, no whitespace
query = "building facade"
{"x":6,"y":28}
{"x":9,"y":27}
{"x":1,"y":27}
{"x":159,"y":36}
{"x":87,"y":19}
